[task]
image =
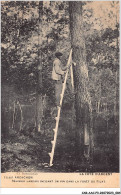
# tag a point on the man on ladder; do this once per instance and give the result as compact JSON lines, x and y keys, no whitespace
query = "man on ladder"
{"x":57,"y":73}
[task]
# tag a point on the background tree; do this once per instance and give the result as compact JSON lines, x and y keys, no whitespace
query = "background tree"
{"x":39,"y":102}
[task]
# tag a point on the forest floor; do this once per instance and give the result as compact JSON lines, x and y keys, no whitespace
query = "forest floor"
{"x":27,"y":151}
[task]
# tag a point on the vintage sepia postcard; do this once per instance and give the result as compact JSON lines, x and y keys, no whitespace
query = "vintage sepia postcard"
{"x":60,"y":94}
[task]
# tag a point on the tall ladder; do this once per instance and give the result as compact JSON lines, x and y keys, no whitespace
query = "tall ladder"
{"x":59,"y":110}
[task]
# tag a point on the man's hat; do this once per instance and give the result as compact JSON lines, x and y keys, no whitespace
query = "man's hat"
{"x":57,"y":54}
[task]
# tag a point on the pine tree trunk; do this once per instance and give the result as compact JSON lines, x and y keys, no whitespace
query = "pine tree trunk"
{"x":82,"y":96}
{"x":39,"y":104}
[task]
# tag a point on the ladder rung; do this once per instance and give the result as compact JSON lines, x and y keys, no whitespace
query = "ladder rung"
{"x":51,"y":164}
{"x":54,"y":130}
{"x":56,"y":118}
{"x":58,"y":107}
{"x":52,"y":142}
{"x":50,"y":154}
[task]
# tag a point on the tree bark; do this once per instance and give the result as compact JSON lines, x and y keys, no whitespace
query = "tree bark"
{"x":81,"y":79}
{"x":39,"y":104}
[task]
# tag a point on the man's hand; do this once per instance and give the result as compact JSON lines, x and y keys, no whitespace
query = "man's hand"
{"x":74,"y":63}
